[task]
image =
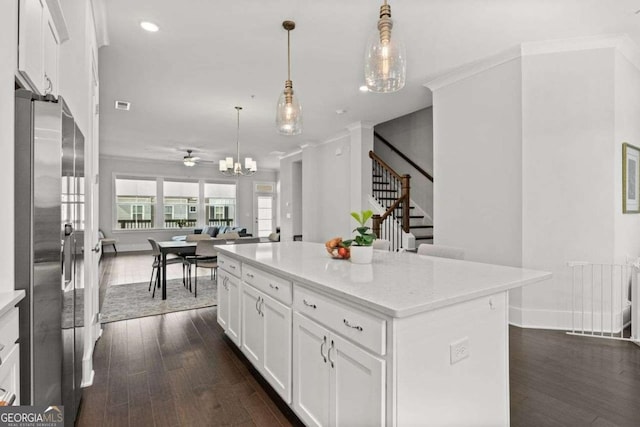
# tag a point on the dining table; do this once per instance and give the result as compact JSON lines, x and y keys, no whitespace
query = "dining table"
{"x":188,"y":248}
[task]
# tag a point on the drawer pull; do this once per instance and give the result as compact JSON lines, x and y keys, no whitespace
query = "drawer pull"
{"x":272,"y":286}
{"x":233,"y":266}
{"x":329,"y":354}
{"x":1,"y":348}
{"x":349,"y":325}
{"x":250,"y":275}
{"x":324,"y":342}
{"x":309,"y":304}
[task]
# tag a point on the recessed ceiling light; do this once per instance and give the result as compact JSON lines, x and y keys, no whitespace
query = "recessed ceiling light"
{"x":341,"y":111}
{"x":364,"y":88}
{"x":149,"y":26}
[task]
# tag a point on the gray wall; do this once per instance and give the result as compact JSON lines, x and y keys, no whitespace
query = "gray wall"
{"x":137,"y":239}
{"x":413,"y":135}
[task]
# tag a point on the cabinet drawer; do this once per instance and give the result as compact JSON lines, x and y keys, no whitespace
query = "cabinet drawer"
{"x":229,"y":264}
{"x":360,"y":327}
{"x":8,"y":331}
{"x":274,"y":286}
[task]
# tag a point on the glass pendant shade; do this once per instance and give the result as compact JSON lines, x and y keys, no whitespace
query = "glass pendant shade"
{"x":288,"y":115}
{"x":385,"y":62}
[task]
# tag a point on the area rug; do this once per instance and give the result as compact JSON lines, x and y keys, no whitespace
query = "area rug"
{"x":134,"y":300}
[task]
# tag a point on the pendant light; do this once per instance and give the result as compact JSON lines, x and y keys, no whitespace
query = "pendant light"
{"x":289,"y":110}
{"x":385,"y":58}
{"x":230,"y":168}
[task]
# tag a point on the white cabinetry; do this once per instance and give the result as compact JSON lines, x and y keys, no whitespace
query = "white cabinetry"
{"x":266,"y":338}
{"x":336,"y":382}
{"x":38,"y":47}
{"x":10,"y":356}
{"x":229,"y":305}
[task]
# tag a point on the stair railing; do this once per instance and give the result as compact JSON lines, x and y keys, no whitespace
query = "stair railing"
{"x":392,"y":191}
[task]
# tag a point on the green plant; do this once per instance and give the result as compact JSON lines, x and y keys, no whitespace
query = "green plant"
{"x":365,"y":236}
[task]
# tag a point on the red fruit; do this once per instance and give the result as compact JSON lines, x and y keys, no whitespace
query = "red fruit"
{"x":343,"y":252}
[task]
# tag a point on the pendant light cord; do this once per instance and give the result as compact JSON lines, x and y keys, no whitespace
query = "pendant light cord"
{"x":288,"y":54}
{"x":238,"y":136}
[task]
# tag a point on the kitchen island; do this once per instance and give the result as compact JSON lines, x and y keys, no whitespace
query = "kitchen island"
{"x":408,"y":340}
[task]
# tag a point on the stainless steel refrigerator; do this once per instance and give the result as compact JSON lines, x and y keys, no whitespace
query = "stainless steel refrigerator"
{"x":49,"y":232}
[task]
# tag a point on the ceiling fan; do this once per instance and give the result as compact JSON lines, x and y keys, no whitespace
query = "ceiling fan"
{"x":190,"y":160}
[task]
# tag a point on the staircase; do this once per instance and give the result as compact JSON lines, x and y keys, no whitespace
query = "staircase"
{"x":403,"y":223}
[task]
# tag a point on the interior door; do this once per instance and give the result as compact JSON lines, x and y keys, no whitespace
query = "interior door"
{"x":264,"y":214}
{"x":252,"y":335}
{"x":310,"y":371}
{"x":357,"y":386}
{"x":277,"y":342}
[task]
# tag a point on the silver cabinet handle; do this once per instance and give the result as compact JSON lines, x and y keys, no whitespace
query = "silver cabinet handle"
{"x":96,"y":248}
{"x":308,"y":304}
{"x":250,"y":275}
{"x":349,"y":325}
{"x":233,"y":266}
{"x":329,"y":354}
{"x":257,"y":302}
{"x":49,"y":88}
{"x":324,"y":342}
{"x":1,"y":348}
{"x":261,"y":306}
{"x":272,"y":286}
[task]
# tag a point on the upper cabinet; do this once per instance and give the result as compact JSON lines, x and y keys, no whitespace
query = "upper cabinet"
{"x":38,"y":47}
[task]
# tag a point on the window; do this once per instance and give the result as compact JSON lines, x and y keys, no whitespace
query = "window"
{"x":135,"y":203}
{"x":180,"y":204}
{"x":220,"y":200}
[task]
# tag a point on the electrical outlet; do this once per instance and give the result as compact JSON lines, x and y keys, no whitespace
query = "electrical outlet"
{"x":459,"y":350}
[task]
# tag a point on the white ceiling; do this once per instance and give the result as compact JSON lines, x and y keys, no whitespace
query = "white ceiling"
{"x":209,"y":56}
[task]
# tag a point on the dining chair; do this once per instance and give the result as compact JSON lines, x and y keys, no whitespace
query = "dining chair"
{"x":381,"y":245}
{"x":440,"y":251}
{"x":157,"y":265}
{"x":206,"y":257}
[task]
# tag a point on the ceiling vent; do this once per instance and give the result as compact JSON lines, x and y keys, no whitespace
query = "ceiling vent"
{"x":123,"y":105}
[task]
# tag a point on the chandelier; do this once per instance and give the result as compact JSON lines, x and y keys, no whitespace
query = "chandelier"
{"x":230,"y":168}
{"x":289,"y":110}
{"x":385,"y":63}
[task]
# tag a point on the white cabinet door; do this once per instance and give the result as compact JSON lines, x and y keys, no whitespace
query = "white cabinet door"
{"x":252,"y":336}
{"x":357,"y":385}
{"x":310,"y":371}
{"x":223,"y":299}
{"x":233,"y":324}
{"x":31,"y":43}
{"x":10,"y":372}
{"x":51,"y":50}
{"x":277,"y":345}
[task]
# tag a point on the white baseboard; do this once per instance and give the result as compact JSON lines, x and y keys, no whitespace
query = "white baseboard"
{"x":561,"y":320}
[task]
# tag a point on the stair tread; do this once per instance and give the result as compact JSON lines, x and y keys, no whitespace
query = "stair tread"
{"x":411,"y":216}
{"x":421,"y":226}
{"x":423,"y":237}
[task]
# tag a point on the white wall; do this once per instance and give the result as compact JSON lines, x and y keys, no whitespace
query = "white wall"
{"x":568,"y":172}
{"x":477,"y":161}
{"x":528,"y":159}
{"x":627,"y":129}
{"x":8,"y":65}
{"x":412,"y":135}
{"x":325,"y":186}
{"x":137,"y":239}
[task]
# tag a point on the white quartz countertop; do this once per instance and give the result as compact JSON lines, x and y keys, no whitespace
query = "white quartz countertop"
{"x":8,"y":300}
{"x":395,"y":284}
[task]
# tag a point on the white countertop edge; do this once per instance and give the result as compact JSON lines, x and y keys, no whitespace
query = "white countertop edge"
{"x":8,"y":300}
{"x":380,"y":308}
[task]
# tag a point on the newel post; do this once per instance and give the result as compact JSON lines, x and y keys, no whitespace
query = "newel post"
{"x":376,"y":224}
{"x":406,"y":214}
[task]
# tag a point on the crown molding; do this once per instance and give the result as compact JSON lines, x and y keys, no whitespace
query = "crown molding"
{"x":290,"y":154}
{"x":360,"y":125}
{"x":620,"y":42}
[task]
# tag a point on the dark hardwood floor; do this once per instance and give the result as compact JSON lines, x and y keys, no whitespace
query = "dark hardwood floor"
{"x":178,"y":369}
